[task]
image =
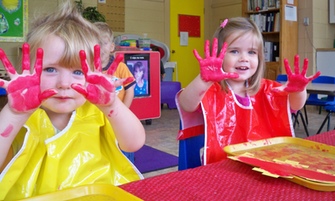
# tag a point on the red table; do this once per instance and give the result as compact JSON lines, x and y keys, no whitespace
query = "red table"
{"x":226,"y":180}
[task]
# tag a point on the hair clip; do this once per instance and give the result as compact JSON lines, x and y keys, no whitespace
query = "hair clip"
{"x":223,"y":24}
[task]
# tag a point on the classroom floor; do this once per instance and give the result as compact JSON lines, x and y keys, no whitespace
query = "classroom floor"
{"x":161,"y":134}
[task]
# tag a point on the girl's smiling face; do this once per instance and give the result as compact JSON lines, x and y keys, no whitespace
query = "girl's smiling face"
{"x":55,"y":76}
{"x":241,"y":56}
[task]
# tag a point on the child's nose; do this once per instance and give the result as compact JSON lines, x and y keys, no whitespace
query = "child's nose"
{"x":64,"y":81}
{"x":243,"y":56}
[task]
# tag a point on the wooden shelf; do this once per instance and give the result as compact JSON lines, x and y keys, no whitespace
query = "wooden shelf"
{"x":287,"y":37}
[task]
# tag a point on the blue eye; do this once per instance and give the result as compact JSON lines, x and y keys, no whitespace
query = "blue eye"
{"x":252,"y":52}
{"x":49,"y":69}
{"x":78,"y":72}
{"x":234,"y":51}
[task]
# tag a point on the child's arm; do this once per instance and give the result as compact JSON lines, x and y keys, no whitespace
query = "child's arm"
{"x":210,"y":71}
{"x":100,"y":90}
{"x":10,"y":124}
{"x":24,"y":97}
{"x":129,"y":96}
{"x":296,"y":84}
{"x":127,"y":127}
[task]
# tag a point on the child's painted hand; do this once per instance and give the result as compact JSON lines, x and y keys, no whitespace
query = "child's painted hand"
{"x":100,"y":88}
{"x":211,"y":65}
{"x":23,"y":90}
{"x":297,"y":82}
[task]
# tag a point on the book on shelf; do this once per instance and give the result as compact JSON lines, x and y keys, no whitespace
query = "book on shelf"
{"x":271,"y":51}
{"x":275,"y":51}
{"x":276,"y":25}
{"x":261,"y":5}
{"x":268,"y":51}
{"x":268,"y":22}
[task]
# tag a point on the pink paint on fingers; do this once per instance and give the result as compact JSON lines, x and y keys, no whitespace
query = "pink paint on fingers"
{"x":47,"y":94}
{"x":97,"y":60}
{"x":84,"y":66}
{"x":197,"y":56}
{"x":223,"y":51}
{"x":9,"y":67}
{"x":112,"y":68}
{"x":39,"y":62}
{"x":2,"y":83}
{"x":7,"y":131}
{"x":100,"y":80}
{"x":305,"y":67}
{"x":296,"y":64}
{"x":215,"y":47}
{"x":207,"y":53}
{"x":25,"y":57}
{"x":80,"y":89}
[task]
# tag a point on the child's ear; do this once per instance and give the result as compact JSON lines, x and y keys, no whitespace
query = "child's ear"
{"x":112,"y":47}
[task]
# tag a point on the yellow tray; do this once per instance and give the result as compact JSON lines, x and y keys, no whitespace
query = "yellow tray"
{"x":316,"y":156}
{"x":96,"y":192}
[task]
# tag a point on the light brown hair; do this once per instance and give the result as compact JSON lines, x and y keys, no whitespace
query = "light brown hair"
{"x":240,"y":26}
{"x":68,"y":24}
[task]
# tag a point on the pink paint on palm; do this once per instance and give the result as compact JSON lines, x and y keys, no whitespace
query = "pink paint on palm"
{"x":97,"y":95}
{"x":99,"y":88}
{"x":7,"y":131}
{"x":297,"y":81}
{"x":24,"y":91}
{"x":211,"y":65}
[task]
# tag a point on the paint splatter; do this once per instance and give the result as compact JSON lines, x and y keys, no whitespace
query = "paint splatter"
{"x":7,"y":131}
{"x":110,"y":113}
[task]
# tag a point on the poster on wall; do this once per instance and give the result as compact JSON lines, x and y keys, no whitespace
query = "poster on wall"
{"x":190,"y":24}
{"x":13,"y":20}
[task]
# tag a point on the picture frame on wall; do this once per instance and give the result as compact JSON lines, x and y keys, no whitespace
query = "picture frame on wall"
{"x":13,"y":20}
{"x":331,"y":5}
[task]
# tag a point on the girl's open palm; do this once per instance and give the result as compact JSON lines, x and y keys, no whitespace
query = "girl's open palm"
{"x":23,"y":90}
{"x":297,"y":82}
{"x":211,"y":65}
{"x":100,"y":88}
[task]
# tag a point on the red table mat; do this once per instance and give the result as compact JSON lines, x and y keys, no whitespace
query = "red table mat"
{"x":226,"y":180}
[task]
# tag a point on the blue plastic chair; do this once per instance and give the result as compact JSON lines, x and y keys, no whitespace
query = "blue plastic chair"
{"x":330,"y":109}
{"x":2,"y":91}
{"x":295,"y":114}
{"x":191,"y":138}
{"x":281,"y":78}
{"x":313,"y":99}
{"x":189,"y":152}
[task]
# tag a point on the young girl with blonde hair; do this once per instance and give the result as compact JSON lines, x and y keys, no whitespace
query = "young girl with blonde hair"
{"x":63,"y":125}
{"x":238,"y":105}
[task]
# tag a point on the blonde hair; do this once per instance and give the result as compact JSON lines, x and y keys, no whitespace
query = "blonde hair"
{"x":105,"y":30}
{"x":68,"y":24}
{"x":240,"y":26}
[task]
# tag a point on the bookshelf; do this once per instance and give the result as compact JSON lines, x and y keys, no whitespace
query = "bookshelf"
{"x":279,"y":32}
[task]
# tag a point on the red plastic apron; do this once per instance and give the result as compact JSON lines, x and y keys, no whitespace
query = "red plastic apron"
{"x":228,"y":122}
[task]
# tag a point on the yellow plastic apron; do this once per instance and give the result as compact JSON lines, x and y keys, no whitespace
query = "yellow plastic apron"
{"x":85,"y":152}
